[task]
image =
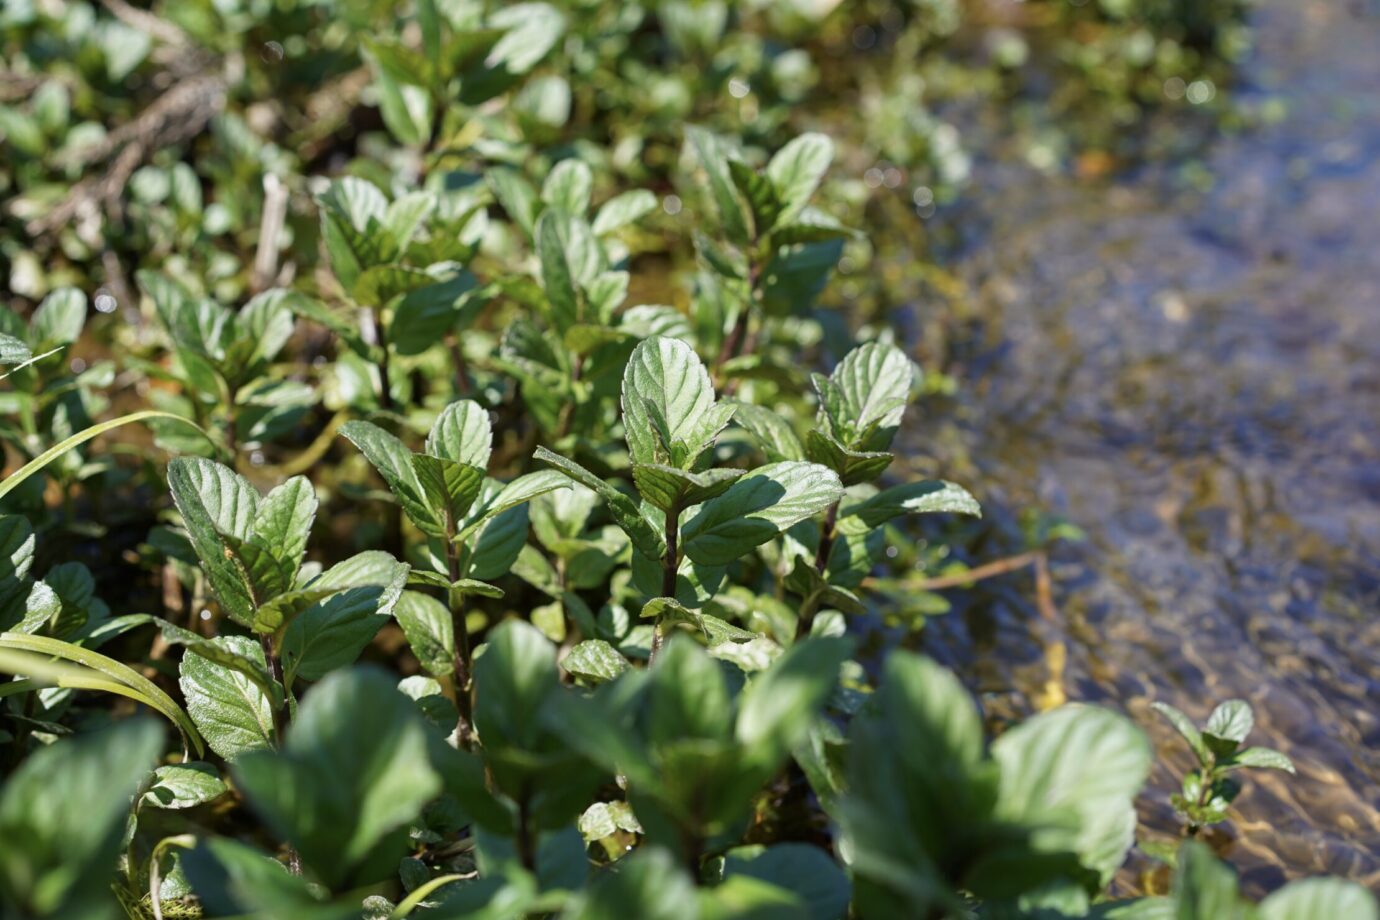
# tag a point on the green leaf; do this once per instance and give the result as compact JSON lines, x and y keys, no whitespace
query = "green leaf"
{"x":394,"y":462}
{"x":622,"y":210}
{"x":450,"y":488}
{"x":669,"y":413}
{"x":13,"y":351}
{"x":184,"y":785}
{"x":712,"y":156}
{"x":1204,"y":888}
{"x":797,"y":170}
{"x":918,"y":788}
{"x":806,"y":581}
{"x":757,"y":508}
{"x":1261,"y":757}
{"x":283,"y":522}
{"x":667,"y":487}
{"x":715,"y":631}
{"x":1075,"y":771}
{"x":571,"y":259}
{"x":926,"y":497}
{"x":1185,"y":727}
{"x":430,"y":631}
{"x":532,"y":30}
{"x":354,"y":769}
{"x":406,"y":108}
{"x":516,"y":195}
{"x":773,"y":433}
{"x":217,"y":503}
{"x":812,"y":226}
{"x":1231,"y":721}
{"x":58,"y":319}
{"x":778,"y":706}
{"x":567,"y":187}
{"x":430,"y":309}
{"x":462,"y":433}
{"x":1315,"y":898}
{"x":229,"y":708}
{"x":800,"y":868}
{"x":496,"y":500}
{"x":594,"y":660}
{"x":332,"y":633}
{"x":866,"y":396}
{"x":62,"y":814}
{"x":646,"y":538}
{"x":513,"y":678}
{"x":853,"y":466}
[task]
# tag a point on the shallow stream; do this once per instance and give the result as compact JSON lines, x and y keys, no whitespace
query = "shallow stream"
{"x":1194,"y":379}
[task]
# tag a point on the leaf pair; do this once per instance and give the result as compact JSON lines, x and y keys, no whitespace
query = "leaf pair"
{"x":445,"y":491}
{"x":860,"y":408}
{"x":250,"y":547}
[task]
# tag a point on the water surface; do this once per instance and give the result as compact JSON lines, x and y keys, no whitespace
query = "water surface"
{"x":1194,"y":378}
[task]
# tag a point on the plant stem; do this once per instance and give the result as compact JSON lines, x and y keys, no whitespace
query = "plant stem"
{"x":694,"y":846}
{"x":526,"y":846}
{"x":808,"y":609}
{"x":231,"y":434}
{"x":670,"y":565}
{"x":457,"y":357}
{"x":275,"y":669}
{"x":464,"y":727}
{"x":385,"y":390}
{"x":739,"y":341}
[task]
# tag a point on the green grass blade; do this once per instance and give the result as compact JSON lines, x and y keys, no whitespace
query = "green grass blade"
{"x":149,"y":694}
{"x":48,"y":456}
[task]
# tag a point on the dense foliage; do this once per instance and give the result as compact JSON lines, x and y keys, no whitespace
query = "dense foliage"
{"x":506,"y":555}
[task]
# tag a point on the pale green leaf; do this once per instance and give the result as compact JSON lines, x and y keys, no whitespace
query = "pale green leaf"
{"x":229,"y":709}
{"x":797,"y":169}
{"x":1076,"y":772}
{"x":462,"y":433}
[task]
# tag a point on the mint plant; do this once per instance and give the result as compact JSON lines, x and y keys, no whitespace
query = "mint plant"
{"x":671,"y":420}
{"x":306,"y":622}
{"x":475,"y":527}
{"x":222,"y":365}
{"x":1209,"y":790}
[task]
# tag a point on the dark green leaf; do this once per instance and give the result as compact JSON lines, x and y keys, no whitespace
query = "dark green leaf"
{"x":354,"y":768}
{"x":430,"y":631}
{"x":62,"y":813}
{"x":757,"y":508}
